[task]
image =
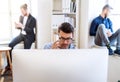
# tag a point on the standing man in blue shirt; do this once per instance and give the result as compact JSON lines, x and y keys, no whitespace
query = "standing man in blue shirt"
{"x":101,"y":28}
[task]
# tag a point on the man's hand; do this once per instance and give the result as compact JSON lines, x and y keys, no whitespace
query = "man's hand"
{"x":109,"y":33}
{"x":56,"y":45}
{"x":18,"y":25}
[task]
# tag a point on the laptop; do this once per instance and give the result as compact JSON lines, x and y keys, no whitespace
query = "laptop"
{"x":79,"y":65}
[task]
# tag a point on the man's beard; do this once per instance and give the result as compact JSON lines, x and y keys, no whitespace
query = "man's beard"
{"x":106,"y":15}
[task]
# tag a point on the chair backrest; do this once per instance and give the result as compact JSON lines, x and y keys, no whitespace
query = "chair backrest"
{"x":36,"y":34}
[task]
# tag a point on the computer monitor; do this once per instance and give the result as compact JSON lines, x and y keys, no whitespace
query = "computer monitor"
{"x":79,"y":65}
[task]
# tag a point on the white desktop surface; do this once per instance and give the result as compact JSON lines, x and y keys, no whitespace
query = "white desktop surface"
{"x":84,"y":65}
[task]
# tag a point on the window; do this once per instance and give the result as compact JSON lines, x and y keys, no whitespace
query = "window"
{"x":15,"y":13}
{"x":4,"y":20}
{"x":115,"y":14}
{"x":9,"y":13}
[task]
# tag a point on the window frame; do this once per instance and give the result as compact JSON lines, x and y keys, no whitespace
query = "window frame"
{"x":113,"y":14}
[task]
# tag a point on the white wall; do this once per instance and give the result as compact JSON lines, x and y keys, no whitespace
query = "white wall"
{"x":89,"y":10}
{"x":44,"y":22}
{"x":34,"y":8}
{"x":84,"y":23}
{"x":95,"y":9}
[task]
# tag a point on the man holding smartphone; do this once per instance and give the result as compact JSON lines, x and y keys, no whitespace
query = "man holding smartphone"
{"x":26,"y":24}
{"x":65,"y":33}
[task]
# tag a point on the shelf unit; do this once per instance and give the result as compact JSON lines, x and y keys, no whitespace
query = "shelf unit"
{"x":65,"y":11}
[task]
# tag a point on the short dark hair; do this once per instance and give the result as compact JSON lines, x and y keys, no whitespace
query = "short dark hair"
{"x":66,"y":27}
{"x":107,"y":6}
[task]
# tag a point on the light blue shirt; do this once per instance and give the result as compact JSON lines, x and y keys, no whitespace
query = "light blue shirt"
{"x":49,"y":45}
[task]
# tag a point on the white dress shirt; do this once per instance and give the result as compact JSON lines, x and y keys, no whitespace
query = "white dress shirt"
{"x":24,"y":23}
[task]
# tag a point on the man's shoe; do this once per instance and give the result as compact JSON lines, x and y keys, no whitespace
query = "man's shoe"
{"x":117,"y":51}
{"x":0,"y":71}
{"x":111,"y":52}
{"x":7,"y":69}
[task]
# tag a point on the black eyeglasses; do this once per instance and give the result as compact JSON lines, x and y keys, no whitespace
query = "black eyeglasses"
{"x":63,"y":39}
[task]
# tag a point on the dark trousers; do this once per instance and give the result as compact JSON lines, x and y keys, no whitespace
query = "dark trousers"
{"x":102,"y":39}
{"x":18,"y":39}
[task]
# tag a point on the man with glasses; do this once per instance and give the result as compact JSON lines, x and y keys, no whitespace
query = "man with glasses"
{"x":65,"y":33}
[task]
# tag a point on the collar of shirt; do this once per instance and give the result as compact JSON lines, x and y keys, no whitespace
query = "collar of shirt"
{"x":102,"y":18}
{"x":105,"y":21}
{"x":24,"y":23}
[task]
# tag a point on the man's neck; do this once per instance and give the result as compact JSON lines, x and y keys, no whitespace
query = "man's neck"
{"x":103,"y":15}
{"x":27,"y":14}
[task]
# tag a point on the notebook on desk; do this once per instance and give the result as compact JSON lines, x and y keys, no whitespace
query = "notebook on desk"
{"x":84,"y":65}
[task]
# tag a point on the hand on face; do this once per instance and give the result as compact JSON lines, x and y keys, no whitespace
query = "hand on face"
{"x":56,"y":45}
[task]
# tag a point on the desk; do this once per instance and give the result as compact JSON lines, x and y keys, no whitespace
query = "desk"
{"x":6,"y":50}
{"x":75,"y":65}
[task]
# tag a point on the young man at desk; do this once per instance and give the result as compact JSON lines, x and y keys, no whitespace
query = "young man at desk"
{"x":65,"y":33}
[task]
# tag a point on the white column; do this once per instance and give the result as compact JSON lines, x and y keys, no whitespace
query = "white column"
{"x":89,"y":10}
{"x":44,"y":22}
{"x":84,"y":24}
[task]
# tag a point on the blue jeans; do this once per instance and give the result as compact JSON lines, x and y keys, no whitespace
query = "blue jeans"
{"x":20,"y":38}
{"x":102,"y":39}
